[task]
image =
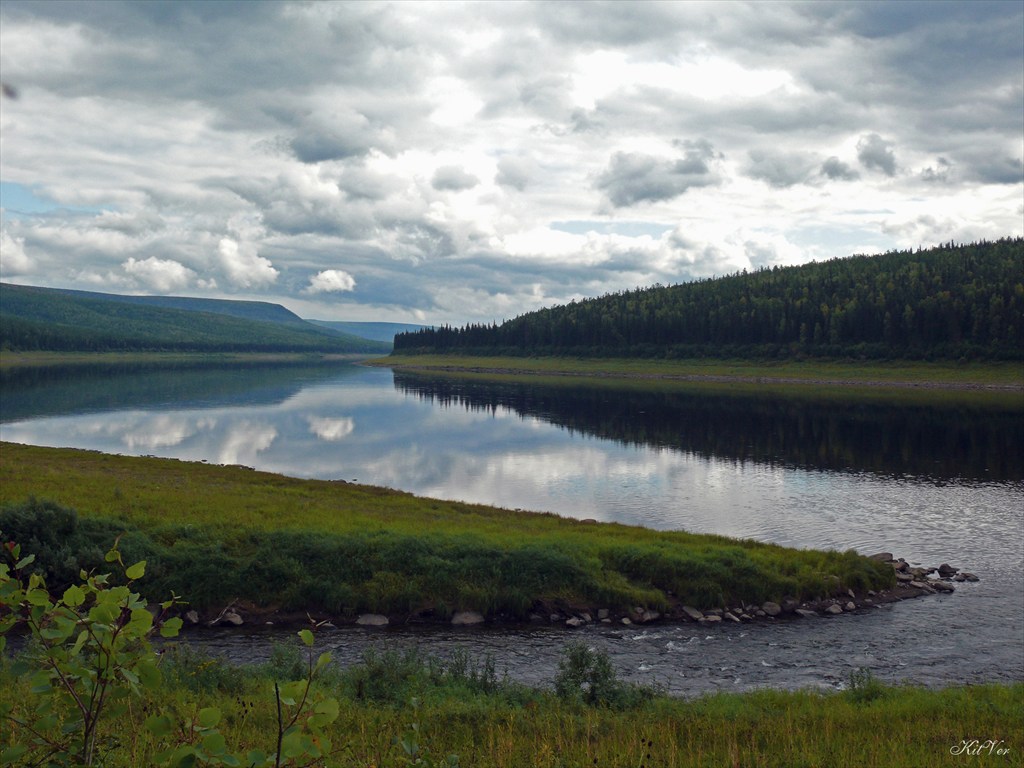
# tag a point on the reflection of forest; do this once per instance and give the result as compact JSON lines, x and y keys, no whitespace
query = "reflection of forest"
{"x":940,"y":442}
{"x":62,"y":390}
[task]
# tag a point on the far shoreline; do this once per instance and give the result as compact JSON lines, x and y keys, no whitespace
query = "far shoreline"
{"x":20,"y":359}
{"x":997,"y":377}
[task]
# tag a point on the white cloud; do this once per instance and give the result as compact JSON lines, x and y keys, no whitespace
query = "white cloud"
{"x":243,"y":266}
{"x":13,"y":259}
{"x":331,"y":430}
{"x":160,"y":275}
{"x":243,"y":441}
{"x":331,"y":281}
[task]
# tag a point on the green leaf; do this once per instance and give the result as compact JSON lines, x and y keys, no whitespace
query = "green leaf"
{"x":323,"y":661}
{"x":55,"y":633}
{"x":103,"y":613}
{"x":208,"y":717}
{"x":149,"y":674}
{"x":183,"y":757}
{"x":10,"y":755}
{"x":46,"y":723}
{"x":171,"y":627}
{"x":214,"y":743}
{"x":40,"y":682}
{"x":73,"y":596}
{"x":141,"y":622}
{"x":27,"y":560}
{"x":292,"y":745}
{"x":136,"y":571}
{"x":292,"y":692}
{"x":307,"y":637}
{"x":112,"y":556}
{"x":324,"y":713}
{"x":38,"y":597}
{"x":79,"y":643}
{"x":159,"y":725}
{"x":256,"y":757}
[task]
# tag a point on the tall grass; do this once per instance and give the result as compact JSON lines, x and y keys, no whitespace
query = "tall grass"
{"x":461,"y":707}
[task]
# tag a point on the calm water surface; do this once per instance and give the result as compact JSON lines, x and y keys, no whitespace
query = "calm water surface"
{"x":932,"y":484}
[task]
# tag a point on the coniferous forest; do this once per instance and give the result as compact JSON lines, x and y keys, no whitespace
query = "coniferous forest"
{"x":948,"y":302}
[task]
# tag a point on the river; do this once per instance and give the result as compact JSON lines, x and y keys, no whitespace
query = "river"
{"x":934,"y":482}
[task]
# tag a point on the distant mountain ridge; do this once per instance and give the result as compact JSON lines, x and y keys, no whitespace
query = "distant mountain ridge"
{"x":33,"y":318}
{"x":262,"y":311}
{"x":367,"y":330}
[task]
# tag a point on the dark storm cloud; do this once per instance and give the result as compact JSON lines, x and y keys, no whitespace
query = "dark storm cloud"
{"x":609,"y":22}
{"x":453,"y":178}
{"x":998,"y":170}
{"x":317,"y":144}
{"x":836,"y":170}
{"x":939,"y":173}
{"x":360,"y":183}
{"x":780,"y":169}
{"x":876,"y":153}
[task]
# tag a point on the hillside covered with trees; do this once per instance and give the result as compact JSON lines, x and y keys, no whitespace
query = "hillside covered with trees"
{"x":947,"y":302}
{"x":77,"y":321}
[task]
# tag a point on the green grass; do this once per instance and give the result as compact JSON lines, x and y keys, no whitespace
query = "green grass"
{"x":218,"y":533}
{"x":465,"y":709}
{"x":810,"y":372}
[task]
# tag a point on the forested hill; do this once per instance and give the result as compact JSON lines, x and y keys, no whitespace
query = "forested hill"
{"x":943,"y":303}
{"x":50,"y":319}
{"x":262,"y":311}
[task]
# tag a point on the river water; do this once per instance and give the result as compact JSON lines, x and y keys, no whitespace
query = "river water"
{"x":933,"y":483}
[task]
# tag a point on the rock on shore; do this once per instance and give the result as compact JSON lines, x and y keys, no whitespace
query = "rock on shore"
{"x":911,"y":581}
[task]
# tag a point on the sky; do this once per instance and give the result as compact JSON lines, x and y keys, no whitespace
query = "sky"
{"x":443,"y":162}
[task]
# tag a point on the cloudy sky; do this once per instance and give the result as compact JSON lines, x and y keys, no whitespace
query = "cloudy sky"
{"x":449,"y":162}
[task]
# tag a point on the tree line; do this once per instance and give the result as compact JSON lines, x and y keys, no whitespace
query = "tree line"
{"x":950,"y":301}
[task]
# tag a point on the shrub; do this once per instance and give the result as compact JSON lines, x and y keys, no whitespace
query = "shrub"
{"x":586,"y":676}
{"x":89,"y":654}
{"x":864,"y":687}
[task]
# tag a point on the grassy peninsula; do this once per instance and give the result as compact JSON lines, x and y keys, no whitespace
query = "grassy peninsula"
{"x":224,"y":533}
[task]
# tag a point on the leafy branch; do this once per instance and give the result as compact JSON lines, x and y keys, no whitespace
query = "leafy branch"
{"x":90,"y":652}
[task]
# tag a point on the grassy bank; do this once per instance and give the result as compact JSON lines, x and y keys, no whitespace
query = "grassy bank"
{"x":891,"y":374}
{"x":462,"y":707}
{"x":219,"y":533}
